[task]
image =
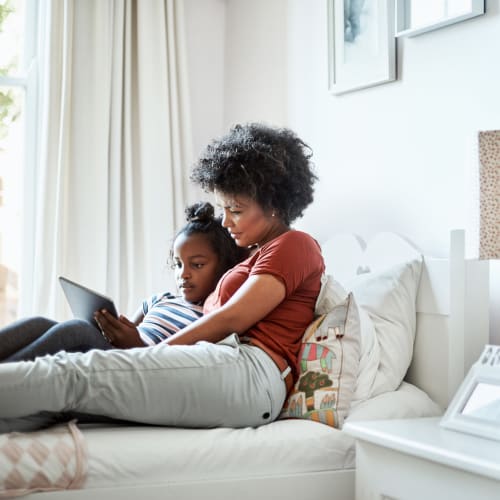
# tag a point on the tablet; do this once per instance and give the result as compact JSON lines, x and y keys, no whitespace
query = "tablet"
{"x":84,"y":302}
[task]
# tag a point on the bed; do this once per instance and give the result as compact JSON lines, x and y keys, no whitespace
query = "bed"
{"x":443,"y":308}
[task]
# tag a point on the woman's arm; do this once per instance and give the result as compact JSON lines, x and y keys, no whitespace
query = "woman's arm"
{"x":253,"y":301}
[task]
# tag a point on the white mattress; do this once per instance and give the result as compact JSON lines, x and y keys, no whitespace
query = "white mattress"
{"x":136,"y":455}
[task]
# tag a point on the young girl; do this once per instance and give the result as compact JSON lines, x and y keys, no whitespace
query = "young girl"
{"x":201,"y":253}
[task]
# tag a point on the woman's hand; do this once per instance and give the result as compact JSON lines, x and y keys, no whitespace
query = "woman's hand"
{"x":120,"y":331}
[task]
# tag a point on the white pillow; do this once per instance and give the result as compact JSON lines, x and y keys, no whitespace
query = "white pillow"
{"x":408,"y":401}
{"x":369,"y":358}
{"x":389,"y":298}
{"x":386,"y":302}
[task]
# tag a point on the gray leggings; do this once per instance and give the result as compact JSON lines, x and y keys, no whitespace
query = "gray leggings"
{"x":26,"y":339}
{"x":204,"y":385}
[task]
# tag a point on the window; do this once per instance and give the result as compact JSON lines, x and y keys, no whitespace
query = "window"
{"x":17,"y":132}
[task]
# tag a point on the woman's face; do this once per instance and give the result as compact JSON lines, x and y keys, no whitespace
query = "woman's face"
{"x":246,"y":221}
{"x":196,"y":267}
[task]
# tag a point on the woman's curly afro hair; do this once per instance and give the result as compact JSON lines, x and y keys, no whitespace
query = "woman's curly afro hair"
{"x":270,"y":165}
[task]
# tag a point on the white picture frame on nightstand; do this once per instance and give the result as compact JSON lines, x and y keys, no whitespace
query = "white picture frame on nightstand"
{"x":475,"y":408}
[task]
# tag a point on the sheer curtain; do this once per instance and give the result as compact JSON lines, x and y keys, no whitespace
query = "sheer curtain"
{"x":114,"y":151}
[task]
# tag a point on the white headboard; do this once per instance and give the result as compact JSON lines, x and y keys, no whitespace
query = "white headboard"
{"x":452,"y":304}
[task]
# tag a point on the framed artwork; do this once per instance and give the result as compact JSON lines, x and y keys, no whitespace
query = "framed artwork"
{"x":414,"y":17}
{"x":361,"y":44}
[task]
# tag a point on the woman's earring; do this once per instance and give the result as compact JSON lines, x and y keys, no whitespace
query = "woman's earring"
{"x":273,"y":215}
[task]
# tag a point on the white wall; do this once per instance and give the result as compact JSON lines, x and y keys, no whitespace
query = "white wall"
{"x":396,"y":156}
{"x":237,"y":66}
{"x":236,"y":57}
{"x":392,"y":157}
{"x":255,"y":70}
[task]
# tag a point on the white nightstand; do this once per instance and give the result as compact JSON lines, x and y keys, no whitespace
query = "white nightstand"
{"x":417,"y":459}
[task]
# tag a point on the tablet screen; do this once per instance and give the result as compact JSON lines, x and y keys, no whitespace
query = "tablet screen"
{"x":84,"y":302}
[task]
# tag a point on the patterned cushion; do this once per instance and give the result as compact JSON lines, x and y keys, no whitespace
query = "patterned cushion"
{"x":52,"y":459}
{"x":328,"y":363}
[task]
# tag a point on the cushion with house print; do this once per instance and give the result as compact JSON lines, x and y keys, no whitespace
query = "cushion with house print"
{"x":328,"y":366}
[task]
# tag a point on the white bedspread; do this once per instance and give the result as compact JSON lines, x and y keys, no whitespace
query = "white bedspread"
{"x":139,"y":455}
{"x":135,"y":456}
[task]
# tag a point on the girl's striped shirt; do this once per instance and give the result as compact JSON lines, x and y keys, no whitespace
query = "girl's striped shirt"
{"x":164,"y":315}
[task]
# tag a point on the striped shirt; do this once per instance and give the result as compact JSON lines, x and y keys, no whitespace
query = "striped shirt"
{"x":165,"y":315}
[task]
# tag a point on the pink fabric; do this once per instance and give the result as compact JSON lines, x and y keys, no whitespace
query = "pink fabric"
{"x":48,"y":460}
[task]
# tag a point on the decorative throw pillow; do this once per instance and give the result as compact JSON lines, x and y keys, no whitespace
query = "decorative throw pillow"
{"x":47,"y":460}
{"x":328,"y":363}
{"x":333,"y":293}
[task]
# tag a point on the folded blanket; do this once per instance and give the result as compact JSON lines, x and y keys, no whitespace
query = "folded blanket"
{"x":48,"y":460}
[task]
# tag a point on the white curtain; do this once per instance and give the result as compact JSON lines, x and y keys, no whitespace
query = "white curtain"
{"x":114,"y":151}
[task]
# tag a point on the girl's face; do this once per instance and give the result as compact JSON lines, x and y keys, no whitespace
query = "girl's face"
{"x":196,"y":267}
{"x":246,"y":221}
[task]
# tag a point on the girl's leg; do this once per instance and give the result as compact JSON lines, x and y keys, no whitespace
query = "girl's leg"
{"x":205,"y":385}
{"x":74,"y":335}
{"x":21,"y":333}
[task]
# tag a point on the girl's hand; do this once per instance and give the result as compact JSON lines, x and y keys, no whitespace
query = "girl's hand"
{"x":120,"y":332}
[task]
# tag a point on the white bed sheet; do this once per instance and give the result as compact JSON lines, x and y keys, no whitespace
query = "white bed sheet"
{"x":138,"y":455}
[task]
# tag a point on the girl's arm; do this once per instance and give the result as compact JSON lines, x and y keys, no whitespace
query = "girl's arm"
{"x":253,"y":301}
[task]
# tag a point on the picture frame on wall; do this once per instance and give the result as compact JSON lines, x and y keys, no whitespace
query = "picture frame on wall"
{"x":361,"y":44}
{"x":414,"y":17}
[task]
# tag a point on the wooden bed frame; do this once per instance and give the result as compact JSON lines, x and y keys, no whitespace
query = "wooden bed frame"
{"x":452,"y":328}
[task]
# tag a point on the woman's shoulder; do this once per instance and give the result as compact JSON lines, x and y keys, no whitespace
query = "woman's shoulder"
{"x":295,"y":256}
{"x":296,"y":237}
{"x":293,"y":246}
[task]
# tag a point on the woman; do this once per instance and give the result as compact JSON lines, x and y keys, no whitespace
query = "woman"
{"x":233,"y":366}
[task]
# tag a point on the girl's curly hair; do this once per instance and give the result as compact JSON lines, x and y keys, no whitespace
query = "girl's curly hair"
{"x":270,"y":165}
{"x":201,"y":219}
